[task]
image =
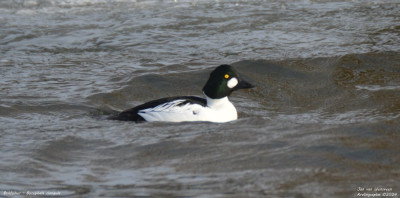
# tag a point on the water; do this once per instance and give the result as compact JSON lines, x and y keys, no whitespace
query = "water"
{"x":323,"y":120}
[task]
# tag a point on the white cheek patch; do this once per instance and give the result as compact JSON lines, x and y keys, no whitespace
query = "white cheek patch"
{"x":232,"y":82}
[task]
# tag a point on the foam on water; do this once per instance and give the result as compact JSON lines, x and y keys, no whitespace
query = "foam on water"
{"x":377,"y":87}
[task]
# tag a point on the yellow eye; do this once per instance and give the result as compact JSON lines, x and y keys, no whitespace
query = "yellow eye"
{"x":226,"y":76}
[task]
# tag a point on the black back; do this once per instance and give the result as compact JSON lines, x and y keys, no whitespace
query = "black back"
{"x":132,"y":114}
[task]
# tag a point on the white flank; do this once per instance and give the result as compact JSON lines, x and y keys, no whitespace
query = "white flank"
{"x":217,"y":110}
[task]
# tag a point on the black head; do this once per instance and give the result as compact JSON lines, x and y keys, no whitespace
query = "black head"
{"x":223,"y":81}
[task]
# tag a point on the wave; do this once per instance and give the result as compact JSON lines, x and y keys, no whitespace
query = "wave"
{"x":334,"y":88}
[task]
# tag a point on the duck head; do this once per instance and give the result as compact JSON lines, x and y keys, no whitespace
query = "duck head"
{"x":223,"y":81}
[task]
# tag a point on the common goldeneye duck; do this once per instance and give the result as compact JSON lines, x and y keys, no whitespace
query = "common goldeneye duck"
{"x":215,"y":108}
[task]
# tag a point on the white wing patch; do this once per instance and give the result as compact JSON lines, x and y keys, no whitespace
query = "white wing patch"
{"x":171,"y":111}
{"x":168,"y":106}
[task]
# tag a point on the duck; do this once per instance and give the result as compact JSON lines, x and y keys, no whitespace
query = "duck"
{"x":215,"y":107}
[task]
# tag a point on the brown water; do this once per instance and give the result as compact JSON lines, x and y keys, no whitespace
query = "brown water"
{"x":323,"y":120}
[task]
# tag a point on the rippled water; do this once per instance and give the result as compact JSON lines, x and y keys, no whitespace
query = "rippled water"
{"x":323,"y":120}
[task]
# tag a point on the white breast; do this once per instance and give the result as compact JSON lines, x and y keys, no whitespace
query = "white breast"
{"x":217,"y":110}
{"x":220,"y":110}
